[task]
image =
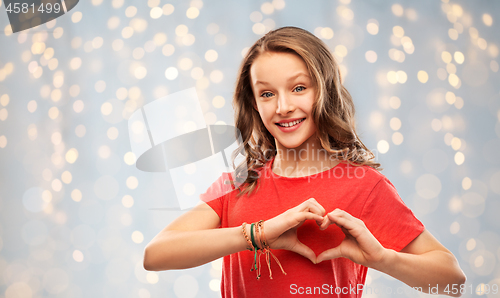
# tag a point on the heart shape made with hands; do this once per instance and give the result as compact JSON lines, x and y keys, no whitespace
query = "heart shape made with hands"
{"x":310,"y":234}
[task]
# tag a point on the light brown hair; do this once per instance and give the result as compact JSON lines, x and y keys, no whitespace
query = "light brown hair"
{"x":332,"y":113}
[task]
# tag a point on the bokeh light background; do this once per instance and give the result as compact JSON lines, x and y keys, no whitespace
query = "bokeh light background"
{"x":75,"y":213}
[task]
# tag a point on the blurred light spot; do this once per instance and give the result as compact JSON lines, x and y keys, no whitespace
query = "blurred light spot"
{"x":471,"y":244}
{"x":140,"y":72}
{"x":113,"y":22}
{"x":66,"y":177}
{"x":459,"y":57}
{"x":428,"y":186}
{"x":76,"y":17}
{"x":106,"y":108}
{"x":156,"y":12}
{"x":218,"y":101}
{"x":56,"y":138}
{"x":211,"y":55}
{"x":168,"y":50}
{"x":171,"y":73}
{"x":423,"y":77}
{"x":76,"y":195}
{"x":78,"y":106}
{"x":397,"y":138}
{"x":216,"y":76}
{"x":259,"y":28}
{"x":185,"y":64}
{"x":80,"y":130}
{"x":455,"y":205}
{"x":327,"y":33}
{"x":453,"y":34}
{"x":454,"y":228}
{"x":137,"y":237}
{"x":406,"y":166}
{"x":394,"y":102}
{"x":77,"y":256}
{"x":181,"y":30}
{"x":75,"y":63}
{"x":168,"y":9}
{"x":197,"y":73}
{"x":398,"y":31}
{"x":395,"y":123}
{"x":53,"y":113}
{"x":56,"y":94}
{"x":127,"y":201}
{"x":256,"y":16}
{"x":459,"y":158}
{"x":71,"y":155}
{"x":372,"y":26}
{"x":397,"y":9}
{"x":127,"y":32}
{"x":341,"y":50}
{"x":456,"y":143}
{"x":383,"y":146}
{"x":32,"y":105}
{"x":112,"y":133}
{"x":132,"y":182}
{"x":214,"y":285}
{"x":32,"y":132}
{"x":129,"y":158}
{"x":267,"y":8}
{"x":100,"y":86}
{"x":56,"y":185}
{"x":131,"y":11}
{"x":18,"y":289}
{"x":487,"y":19}
{"x":192,"y":13}
{"x":152,"y":277}
{"x":371,"y":56}
{"x":104,"y":152}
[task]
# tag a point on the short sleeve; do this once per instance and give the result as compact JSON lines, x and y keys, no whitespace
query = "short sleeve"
{"x":216,"y":192}
{"x":388,"y":218}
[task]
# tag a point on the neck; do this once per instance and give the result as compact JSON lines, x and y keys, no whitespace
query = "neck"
{"x":307,"y":159}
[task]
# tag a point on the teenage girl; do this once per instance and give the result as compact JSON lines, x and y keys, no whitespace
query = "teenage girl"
{"x":314,"y":211}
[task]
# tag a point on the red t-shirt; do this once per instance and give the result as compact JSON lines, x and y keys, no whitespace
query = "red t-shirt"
{"x":361,"y":191}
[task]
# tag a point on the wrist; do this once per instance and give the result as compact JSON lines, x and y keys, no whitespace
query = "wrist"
{"x":386,"y":261}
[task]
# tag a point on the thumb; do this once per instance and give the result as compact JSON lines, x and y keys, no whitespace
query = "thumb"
{"x":304,"y":251}
{"x":329,"y":254}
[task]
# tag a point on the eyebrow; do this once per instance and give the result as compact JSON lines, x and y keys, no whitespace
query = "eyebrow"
{"x":300,"y":74}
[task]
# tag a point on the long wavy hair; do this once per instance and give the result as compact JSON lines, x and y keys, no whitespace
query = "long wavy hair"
{"x":332,"y":113}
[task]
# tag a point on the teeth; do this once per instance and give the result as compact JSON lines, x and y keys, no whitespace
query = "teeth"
{"x":289,"y":124}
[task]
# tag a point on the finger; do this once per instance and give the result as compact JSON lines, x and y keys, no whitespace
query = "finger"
{"x":329,"y":254}
{"x":343,"y":219}
{"x":325,"y":223}
{"x":304,"y":251}
{"x":301,"y":216}
{"x":316,"y":203}
{"x":312,"y":206}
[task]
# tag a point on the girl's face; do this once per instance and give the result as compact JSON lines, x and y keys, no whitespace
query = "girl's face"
{"x":284,"y":95}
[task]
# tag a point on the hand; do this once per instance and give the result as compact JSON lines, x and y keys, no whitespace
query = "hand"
{"x":281,"y":231}
{"x":359,"y":245}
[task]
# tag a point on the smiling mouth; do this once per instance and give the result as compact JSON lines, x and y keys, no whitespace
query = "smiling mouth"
{"x":290,"y":124}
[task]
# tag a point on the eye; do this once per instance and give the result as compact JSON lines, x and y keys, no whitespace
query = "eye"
{"x":300,"y":87}
{"x":266,"y":93}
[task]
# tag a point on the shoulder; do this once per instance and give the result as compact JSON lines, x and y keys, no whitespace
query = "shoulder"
{"x":219,"y":187}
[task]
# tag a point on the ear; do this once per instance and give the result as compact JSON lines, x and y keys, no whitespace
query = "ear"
{"x":254,"y":104}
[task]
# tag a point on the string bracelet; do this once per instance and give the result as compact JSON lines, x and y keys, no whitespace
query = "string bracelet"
{"x":267,"y":250}
{"x":243,"y":227}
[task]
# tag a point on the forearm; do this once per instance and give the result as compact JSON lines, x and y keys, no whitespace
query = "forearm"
{"x":175,"y":249}
{"x":424,"y":271}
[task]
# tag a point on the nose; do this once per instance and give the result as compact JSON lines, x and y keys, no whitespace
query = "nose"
{"x":285,"y":105}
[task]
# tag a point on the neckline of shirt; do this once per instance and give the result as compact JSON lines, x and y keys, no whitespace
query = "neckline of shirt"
{"x":274,"y":175}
